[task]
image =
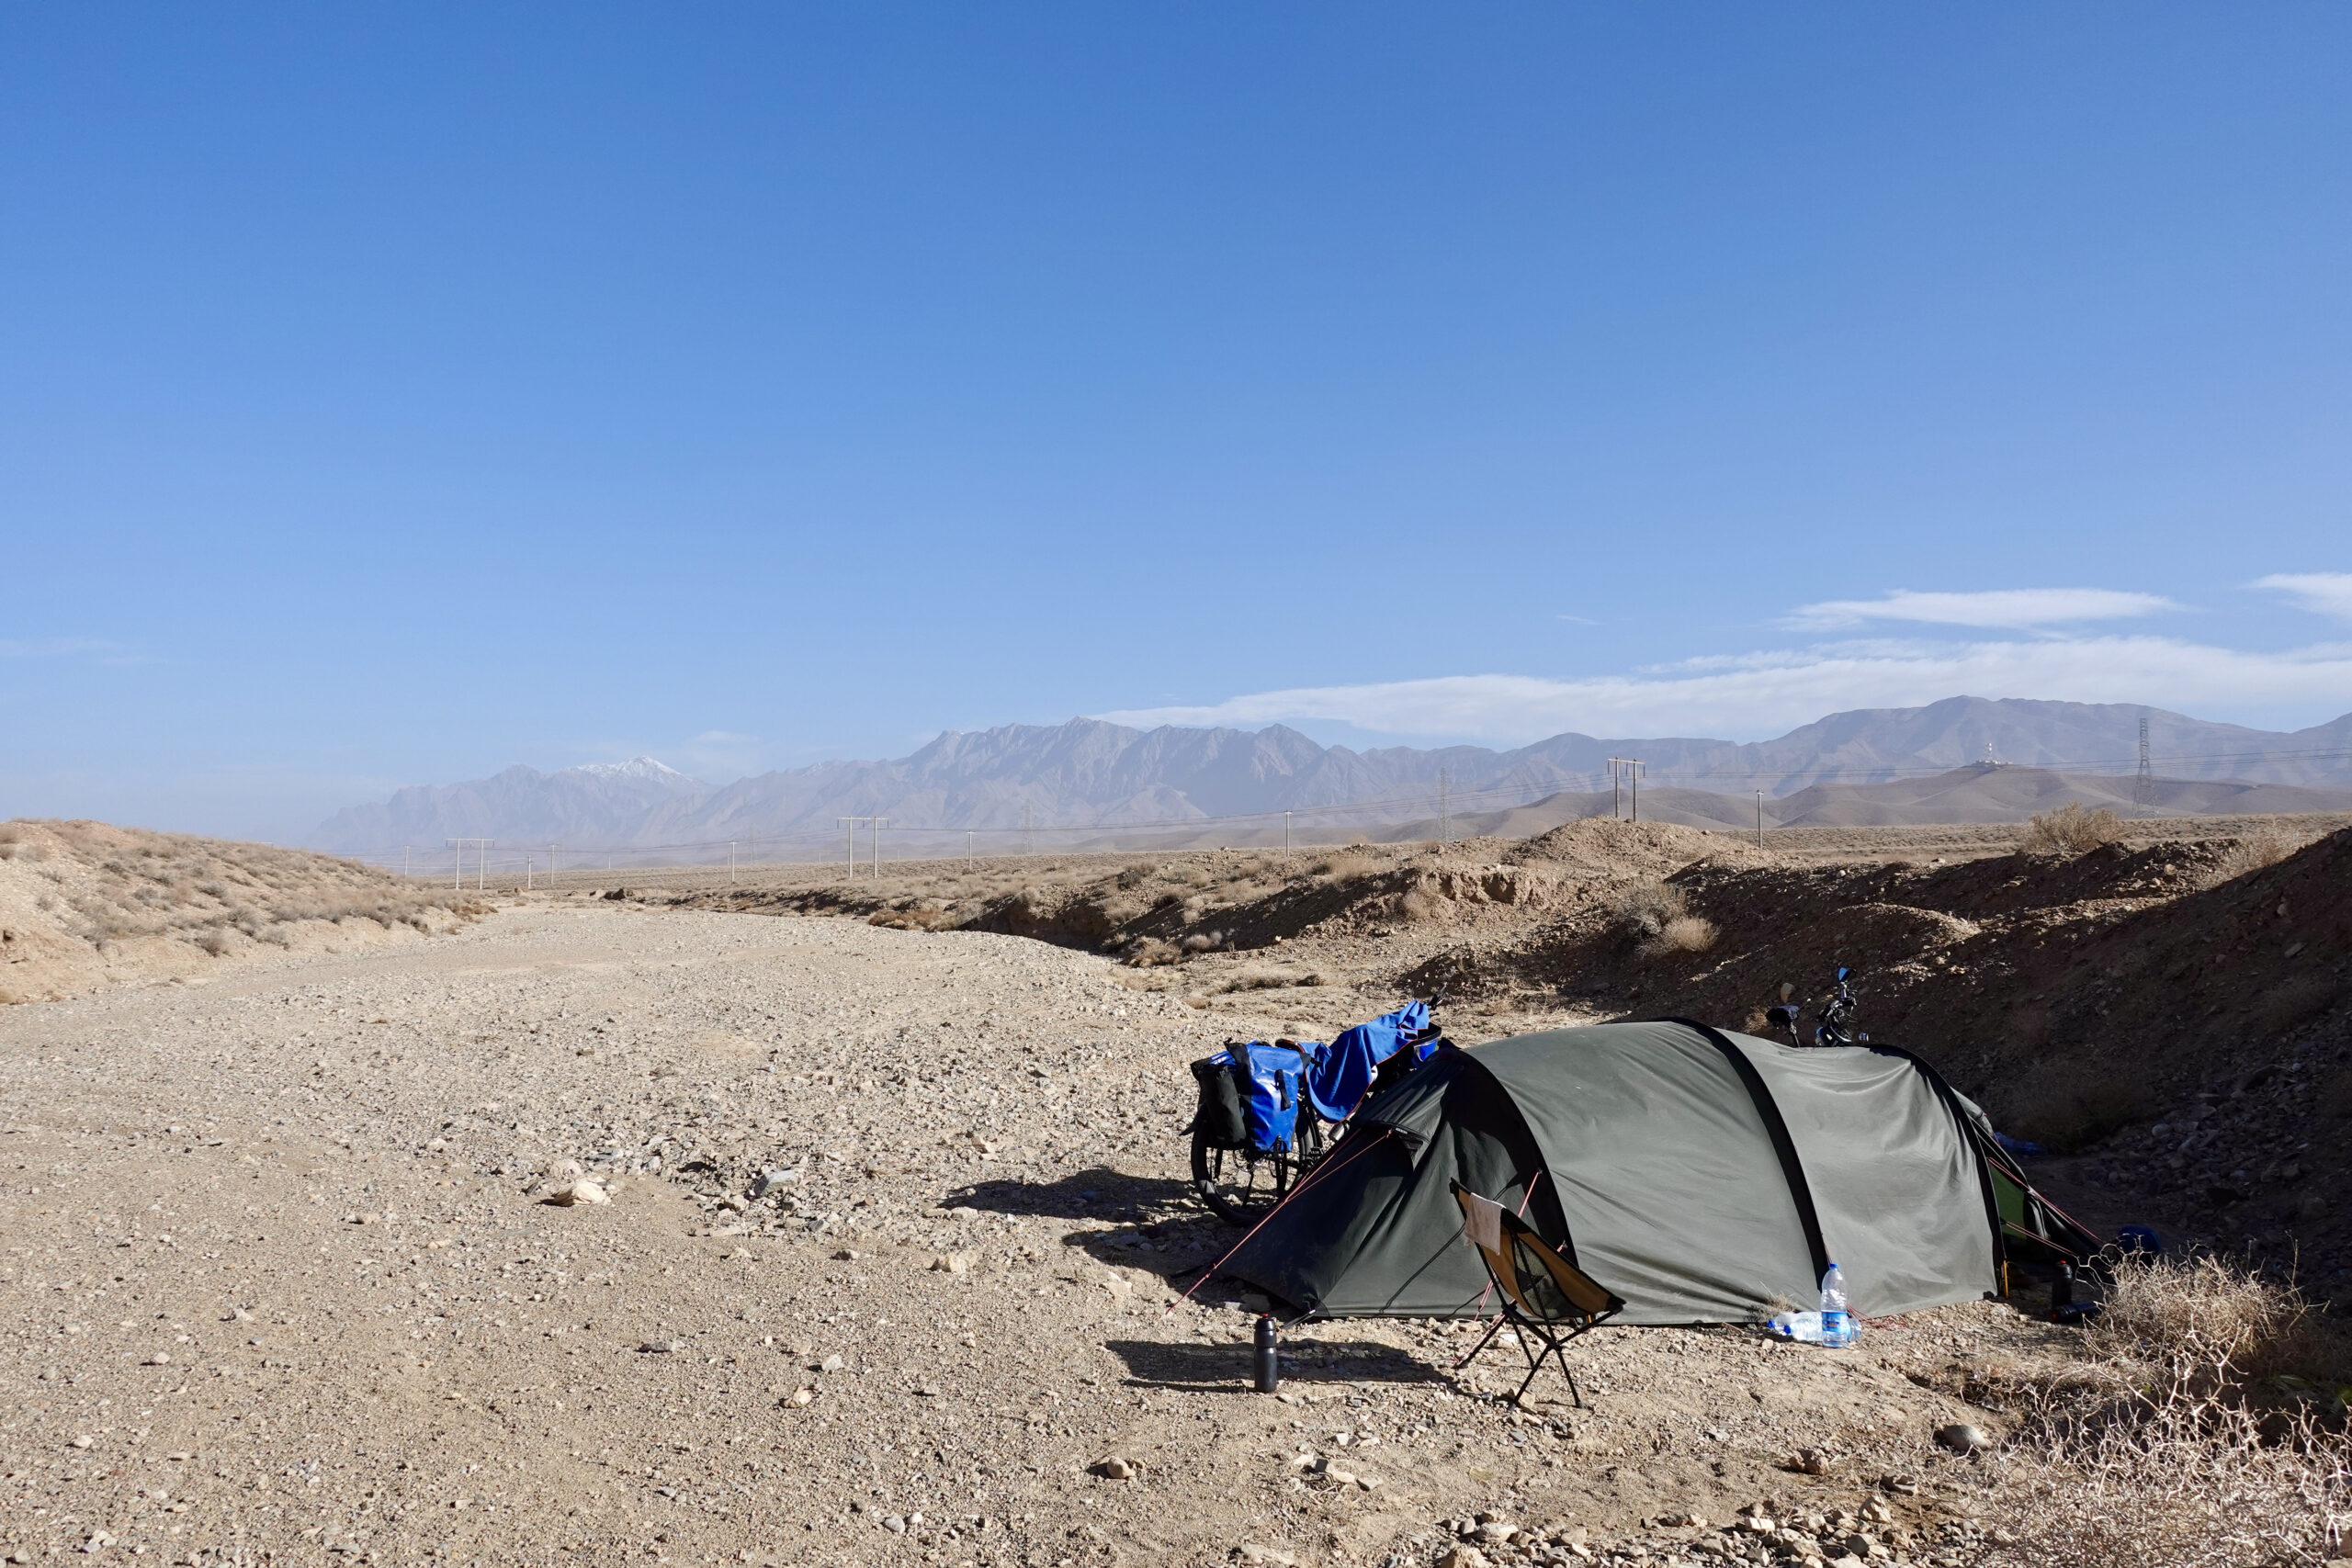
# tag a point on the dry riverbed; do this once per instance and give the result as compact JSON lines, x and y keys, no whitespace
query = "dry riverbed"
{"x":282,"y":1284}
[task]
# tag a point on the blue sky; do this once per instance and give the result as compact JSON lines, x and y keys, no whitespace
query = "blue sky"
{"x":391,"y":395}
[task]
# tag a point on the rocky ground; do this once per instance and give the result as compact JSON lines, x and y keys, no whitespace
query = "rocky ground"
{"x":892,"y":1269}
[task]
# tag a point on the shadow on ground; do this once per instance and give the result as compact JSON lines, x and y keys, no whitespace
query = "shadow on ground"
{"x":1154,"y":1364}
{"x":1097,"y":1194}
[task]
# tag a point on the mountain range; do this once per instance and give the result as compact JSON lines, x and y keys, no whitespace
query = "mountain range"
{"x":1090,"y":774}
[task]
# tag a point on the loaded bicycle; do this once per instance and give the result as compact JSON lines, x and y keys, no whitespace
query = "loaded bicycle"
{"x":1833,"y":1025}
{"x":1269,"y":1110}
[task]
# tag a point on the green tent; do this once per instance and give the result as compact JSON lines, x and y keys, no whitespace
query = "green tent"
{"x":1703,"y":1177}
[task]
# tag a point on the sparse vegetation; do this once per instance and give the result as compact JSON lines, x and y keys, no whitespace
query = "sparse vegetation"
{"x":2204,"y":1427}
{"x":2264,"y":846}
{"x":2071,"y":831}
{"x":1685,"y":933}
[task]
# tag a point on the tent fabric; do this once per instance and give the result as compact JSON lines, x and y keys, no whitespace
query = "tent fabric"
{"x":1702,"y":1175}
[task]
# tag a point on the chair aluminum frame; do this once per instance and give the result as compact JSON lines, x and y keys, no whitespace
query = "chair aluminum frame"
{"x":1588,"y":1304}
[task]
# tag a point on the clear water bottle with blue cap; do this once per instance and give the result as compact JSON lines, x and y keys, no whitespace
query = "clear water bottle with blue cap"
{"x":1836,"y":1322}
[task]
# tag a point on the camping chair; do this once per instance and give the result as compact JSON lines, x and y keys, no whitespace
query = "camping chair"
{"x":1544,"y":1296}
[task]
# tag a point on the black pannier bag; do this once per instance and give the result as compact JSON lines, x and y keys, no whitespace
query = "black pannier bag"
{"x":1218,"y":1119}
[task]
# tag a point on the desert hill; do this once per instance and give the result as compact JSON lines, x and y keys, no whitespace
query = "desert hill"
{"x":85,"y":905}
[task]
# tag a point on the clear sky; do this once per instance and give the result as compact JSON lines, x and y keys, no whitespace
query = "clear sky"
{"x":391,"y":394}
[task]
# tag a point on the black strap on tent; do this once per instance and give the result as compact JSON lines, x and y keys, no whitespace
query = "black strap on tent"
{"x":1768,"y":1110}
{"x":1987,"y":1151}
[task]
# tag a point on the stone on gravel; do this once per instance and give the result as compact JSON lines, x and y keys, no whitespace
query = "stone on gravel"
{"x":581,"y":1191}
{"x":1961,"y":1438}
{"x":1114,"y":1469}
{"x":1463,"y":1557}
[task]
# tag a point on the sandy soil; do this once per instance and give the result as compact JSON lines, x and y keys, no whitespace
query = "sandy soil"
{"x":281,"y":1285}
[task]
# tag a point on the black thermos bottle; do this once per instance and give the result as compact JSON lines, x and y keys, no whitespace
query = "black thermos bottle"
{"x":1269,"y":1373}
{"x":2061,"y":1293}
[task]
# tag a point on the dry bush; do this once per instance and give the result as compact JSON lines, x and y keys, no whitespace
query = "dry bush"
{"x":2264,"y":846}
{"x":2204,"y":1427}
{"x":1647,"y":908}
{"x":1684,"y":933}
{"x":1345,"y":866}
{"x":2071,"y":831}
{"x":1270,"y":980}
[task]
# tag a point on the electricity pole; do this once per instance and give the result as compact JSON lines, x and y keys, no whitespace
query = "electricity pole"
{"x":1634,"y":767}
{"x":967,"y":849}
{"x":403,"y":860}
{"x":1616,"y":801}
{"x":849,"y":831}
{"x":1286,"y":834}
{"x":849,"y":845}
{"x":1028,"y":839}
{"x":1760,"y":819}
{"x":2144,"y":788}
{"x":1444,"y":823}
{"x":482,"y":857}
{"x":730,"y":863}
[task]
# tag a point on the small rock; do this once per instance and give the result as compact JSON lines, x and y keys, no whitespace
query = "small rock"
{"x":1901,"y":1485}
{"x":1959,"y":1438}
{"x":772,"y":1180}
{"x":1268,"y":1557}
{"x":952,"y":1263}
{"x":799,"y":1397}
{"x":581,"y":1191}
{"x":1494,"y":1532}
{"x":896,"y":1524}
{"x":1463,"y":1557}
{"x":159,"y":1359}
{"x":1810,"y":1461}
{"x":561,"y":1169}
{"x":80,"y":1443}
{"x":1114,"y":1469}
{"x":832,"y":1363}
{"x":663,"y":1347}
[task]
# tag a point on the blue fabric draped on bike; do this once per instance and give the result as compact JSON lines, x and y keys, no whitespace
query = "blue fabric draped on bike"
{"x":1339,"y":1075}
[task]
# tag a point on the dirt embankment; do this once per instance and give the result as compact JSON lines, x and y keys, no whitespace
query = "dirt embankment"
{"x":2178,"y":1015}
{"x":85,"y":905}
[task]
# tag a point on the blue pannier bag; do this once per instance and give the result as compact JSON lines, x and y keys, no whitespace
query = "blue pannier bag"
{"x":1269,"y":1078}
{"x":1348,"y":1063}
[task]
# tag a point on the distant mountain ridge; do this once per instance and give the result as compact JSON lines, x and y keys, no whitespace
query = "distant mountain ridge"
{"x":1091,"y":774}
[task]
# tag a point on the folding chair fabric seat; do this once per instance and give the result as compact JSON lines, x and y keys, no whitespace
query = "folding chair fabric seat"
{"x":1545,"y":1297}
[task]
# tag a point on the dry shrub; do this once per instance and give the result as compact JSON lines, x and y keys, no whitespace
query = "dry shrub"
{"x":1151,"y":951}
{"x":214,"y":942}
{"x":2069,"y":1102}
{"x":1415,"y":905}
{"x":1684,"y":933}
{"x":2203,"y":1429}
{"x":1647,"y":908}
{"x":1346,"y":867}
{"x":2071,"y":831}
{"x":1270,"y":980}
{"x":2264,"y":846}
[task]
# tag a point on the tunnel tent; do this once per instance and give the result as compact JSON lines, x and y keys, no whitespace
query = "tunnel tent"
{"x":1704,"y":1176}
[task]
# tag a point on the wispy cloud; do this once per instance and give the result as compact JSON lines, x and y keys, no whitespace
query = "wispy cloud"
{"x":1756,"y":695}
{"x":56,"y":647}
{"x":2007,"y":609}
{"x":2321,"y":593}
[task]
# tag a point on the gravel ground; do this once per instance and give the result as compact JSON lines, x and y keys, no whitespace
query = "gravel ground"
{"x":284,"y":1284}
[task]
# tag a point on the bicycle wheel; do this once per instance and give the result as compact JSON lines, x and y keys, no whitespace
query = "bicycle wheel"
{"x":1238,"y":1185}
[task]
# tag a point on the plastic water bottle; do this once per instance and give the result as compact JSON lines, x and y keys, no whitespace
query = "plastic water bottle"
{"x":1836,"y":1323}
